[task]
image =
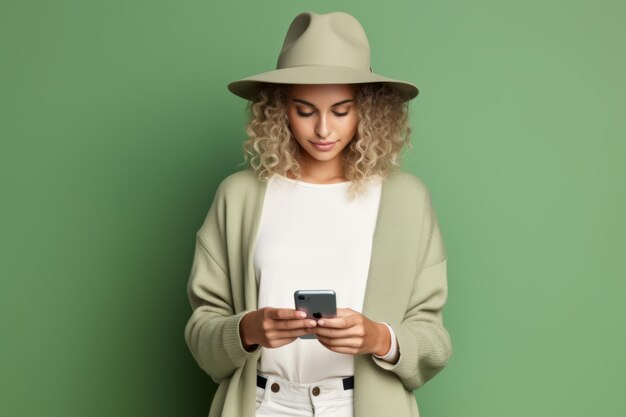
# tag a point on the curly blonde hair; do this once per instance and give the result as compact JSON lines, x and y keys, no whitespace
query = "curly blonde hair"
{"x":382,"y":131}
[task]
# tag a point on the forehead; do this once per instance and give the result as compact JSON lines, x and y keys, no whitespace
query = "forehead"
{"x":321,"y":92}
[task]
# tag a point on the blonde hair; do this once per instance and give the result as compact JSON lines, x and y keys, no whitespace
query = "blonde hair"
{"x":382,"y":131}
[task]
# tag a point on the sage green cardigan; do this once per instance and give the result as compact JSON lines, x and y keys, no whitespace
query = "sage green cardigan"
{"x":406,"y":287}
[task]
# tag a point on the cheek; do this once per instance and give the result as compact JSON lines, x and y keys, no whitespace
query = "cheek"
{"x":298,"y":131}
{"x":298,"y":126}
{"x":349,"y":127}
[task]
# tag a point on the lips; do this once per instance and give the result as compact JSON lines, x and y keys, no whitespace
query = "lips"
{"x":324,"y":146}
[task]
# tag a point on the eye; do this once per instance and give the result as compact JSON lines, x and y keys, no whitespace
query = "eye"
{"x":303,"y":114}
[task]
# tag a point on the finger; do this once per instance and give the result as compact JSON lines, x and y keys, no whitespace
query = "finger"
{"x":276,"y":339}
{"x":347,"y":342}
{"x":341,"y":349}
{"x":338,"y":322}
{"x":294,"y":324}
{"x":338,"y":333}
{"x":285,"y":314}
{"x":287,"y":334}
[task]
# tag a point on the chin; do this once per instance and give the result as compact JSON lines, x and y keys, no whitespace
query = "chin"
{"x":323,"y":156}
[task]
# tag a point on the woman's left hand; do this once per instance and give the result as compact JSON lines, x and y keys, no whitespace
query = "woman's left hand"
{"x":353,"y":333}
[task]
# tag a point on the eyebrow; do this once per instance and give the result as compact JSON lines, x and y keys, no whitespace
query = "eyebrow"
{"x":348,"y":100}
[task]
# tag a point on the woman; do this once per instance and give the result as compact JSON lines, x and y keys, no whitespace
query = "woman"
{"x":322,"y":205}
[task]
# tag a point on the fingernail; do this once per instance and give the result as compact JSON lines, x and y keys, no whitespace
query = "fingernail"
{"x":302,"y":314}
{"x":311,"y":323}
{"x":320,"y":322}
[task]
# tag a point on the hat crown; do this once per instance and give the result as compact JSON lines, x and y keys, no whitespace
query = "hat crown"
{"x":331,"y":39}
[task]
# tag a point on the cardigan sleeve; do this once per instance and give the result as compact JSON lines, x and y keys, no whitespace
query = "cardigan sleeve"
{"x":423,"y":342}
{"x":212,"y":331}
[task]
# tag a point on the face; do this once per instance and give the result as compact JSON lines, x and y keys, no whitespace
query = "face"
{"x":323,"y":119}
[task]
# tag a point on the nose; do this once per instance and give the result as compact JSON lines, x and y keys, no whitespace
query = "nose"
{"x":321,"y":128}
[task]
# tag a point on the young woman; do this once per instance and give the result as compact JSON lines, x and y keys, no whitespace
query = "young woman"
{"x":322,"y":205}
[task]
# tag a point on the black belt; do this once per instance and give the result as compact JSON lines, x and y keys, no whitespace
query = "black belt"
{"x":348,"y":383}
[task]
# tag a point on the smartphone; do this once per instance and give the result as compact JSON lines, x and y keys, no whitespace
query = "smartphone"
{"x":316,"y":304}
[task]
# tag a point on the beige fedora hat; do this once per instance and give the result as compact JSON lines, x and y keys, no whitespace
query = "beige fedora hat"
{"x":329,"y":48}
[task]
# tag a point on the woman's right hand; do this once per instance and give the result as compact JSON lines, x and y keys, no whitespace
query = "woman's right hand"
{"x":273,"y":327}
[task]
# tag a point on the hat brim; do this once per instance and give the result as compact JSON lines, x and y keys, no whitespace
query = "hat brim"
{"x":248,"y":87}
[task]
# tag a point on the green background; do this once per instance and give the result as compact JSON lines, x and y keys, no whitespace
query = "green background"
{"x":116,"y":127}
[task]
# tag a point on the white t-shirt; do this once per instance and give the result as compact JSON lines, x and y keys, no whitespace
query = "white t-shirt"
{"x":312,"y":237}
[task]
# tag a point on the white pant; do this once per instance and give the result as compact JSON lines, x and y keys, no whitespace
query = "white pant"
{"x":282,"y":398}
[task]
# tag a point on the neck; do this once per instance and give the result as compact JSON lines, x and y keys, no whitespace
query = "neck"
{"x":320,"y":172}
